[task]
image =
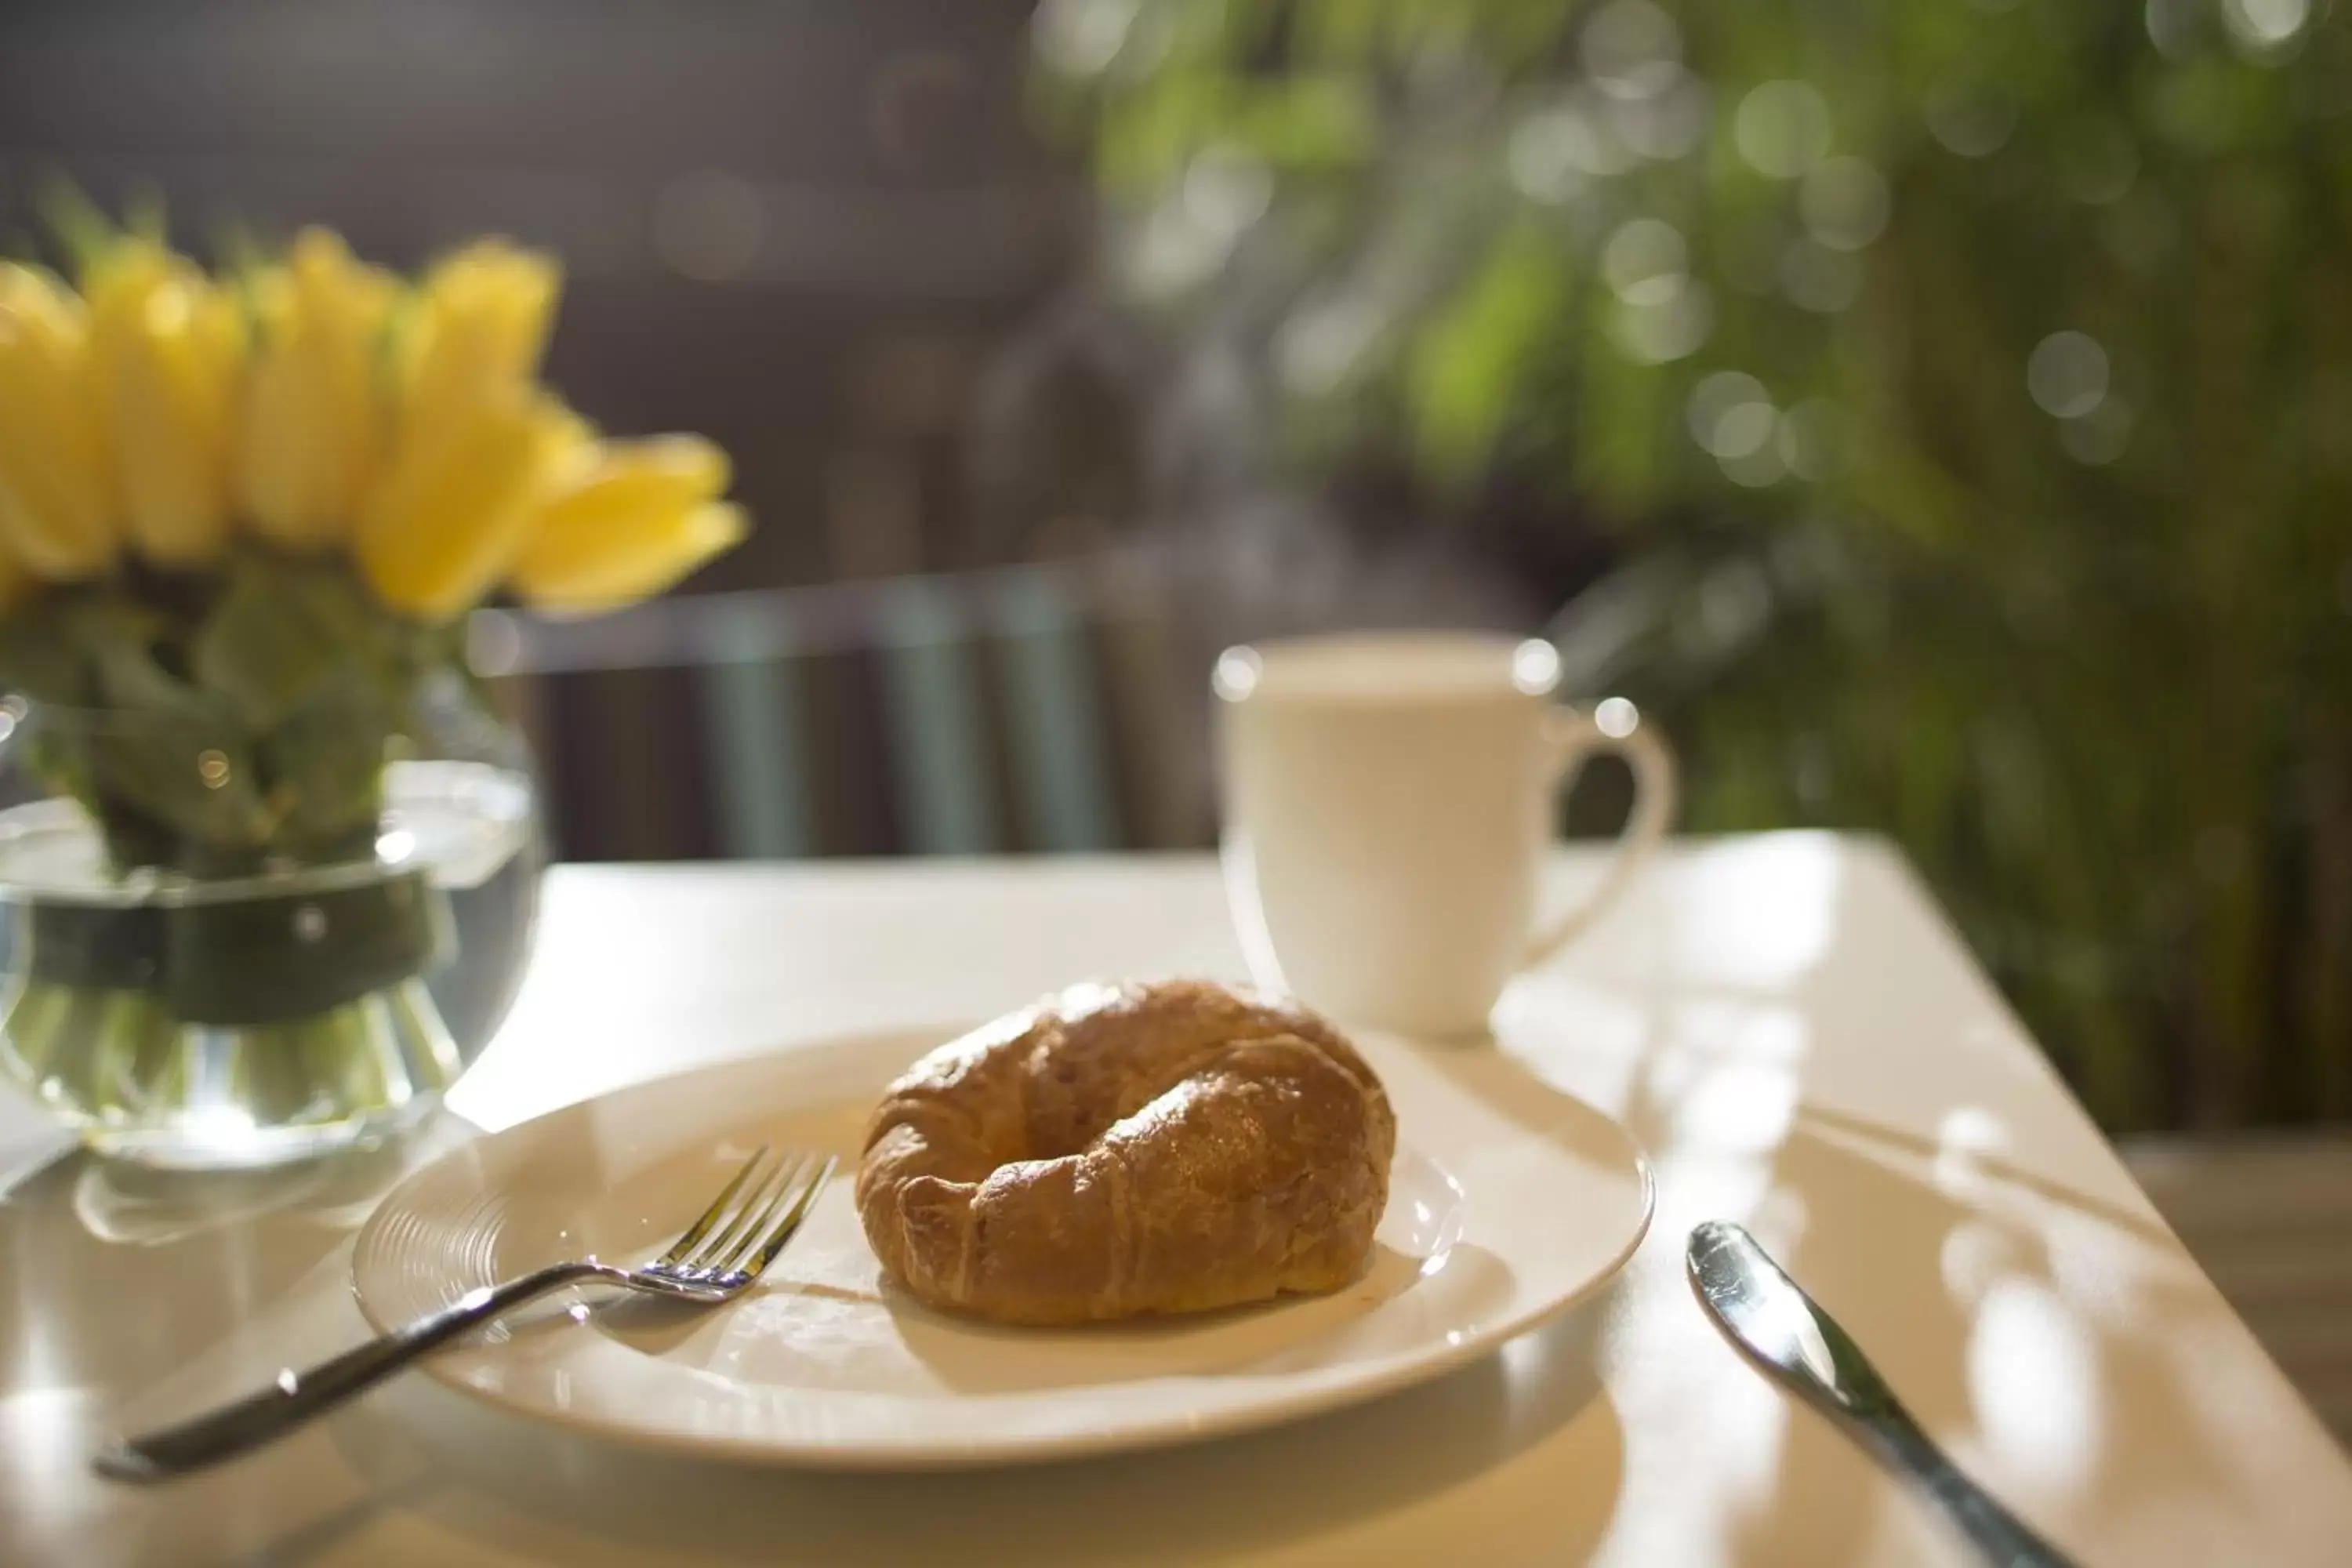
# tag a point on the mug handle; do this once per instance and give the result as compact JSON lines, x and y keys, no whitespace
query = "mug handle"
{"x":1572,"y":735}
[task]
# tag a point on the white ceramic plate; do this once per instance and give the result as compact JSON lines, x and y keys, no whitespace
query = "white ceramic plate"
{"x":1507,"y":1203}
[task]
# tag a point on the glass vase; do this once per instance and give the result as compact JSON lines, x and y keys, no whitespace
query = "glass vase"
{"x":187,"y":1010}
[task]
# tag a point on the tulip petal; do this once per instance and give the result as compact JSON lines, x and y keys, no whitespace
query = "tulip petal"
{"x":450,"y":516}
{"x":56,"y":509}
{"x":167,"y":346}
{"x":480,"y":325}
{"x":628,"y":484}
{"x":315,"y":409}
{"x":653,"y":554}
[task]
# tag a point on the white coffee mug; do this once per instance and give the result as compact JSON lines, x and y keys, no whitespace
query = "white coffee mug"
{"x":1389,"y":799}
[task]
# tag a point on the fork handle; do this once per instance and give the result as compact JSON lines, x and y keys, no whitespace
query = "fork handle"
{"x":297,"y":1395}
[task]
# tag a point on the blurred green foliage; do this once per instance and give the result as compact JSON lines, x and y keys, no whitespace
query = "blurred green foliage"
{"x":1966,"y":388}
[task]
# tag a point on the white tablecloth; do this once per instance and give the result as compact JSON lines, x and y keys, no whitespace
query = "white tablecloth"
{"x":1784,"y":1022}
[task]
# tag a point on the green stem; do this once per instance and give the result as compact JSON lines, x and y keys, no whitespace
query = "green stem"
{"x":345,"y":1059}
{"x":418,"y":1019}
{"x":267,"y":1076}
{"x":159,"y":1061}
{"x":77,"y":1060}
{"x":32,"y":1018}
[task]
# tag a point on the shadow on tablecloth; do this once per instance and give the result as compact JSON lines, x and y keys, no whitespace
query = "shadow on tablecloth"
{"x":507,"y":1485}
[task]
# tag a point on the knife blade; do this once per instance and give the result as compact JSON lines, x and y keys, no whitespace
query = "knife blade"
{"x":1763,"y":1312}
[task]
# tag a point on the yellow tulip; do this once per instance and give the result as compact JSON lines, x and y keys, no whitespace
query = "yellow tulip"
{"x":56,"y":505}
{"x":481,"y":321}
{"x":168,"y":346}
{"x":644,"y":516}
{"x":451,"y":514}
{"x":312,"y":437}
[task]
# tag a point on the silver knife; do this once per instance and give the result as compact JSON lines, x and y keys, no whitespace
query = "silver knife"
{"x":1776,"y":1325}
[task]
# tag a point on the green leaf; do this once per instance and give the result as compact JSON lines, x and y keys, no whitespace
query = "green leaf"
{"x":39,"y":657}
{"x":190,"y":780}
{"x":82,"y":228}
{"x":325,"y":766}
{"x":146,"y":747}
{"x":277,"y":636}
{"x":121,"y":643}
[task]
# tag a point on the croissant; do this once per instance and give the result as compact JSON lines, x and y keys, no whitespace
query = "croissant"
{"x":1118,"y":1150}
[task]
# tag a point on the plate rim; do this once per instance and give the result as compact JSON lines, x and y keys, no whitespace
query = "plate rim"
{"x":1177,"y":1429}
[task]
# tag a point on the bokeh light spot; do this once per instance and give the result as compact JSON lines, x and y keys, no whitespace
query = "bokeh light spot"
{"x":1081,"y":37}
{"x":2264,"y":28}
{"x":1973,"y":121}
{"x":1782,"y":128}
{"x":1712,"y":403}
{"x":1654,"y":333}
{"x":1844,"y":202}
{"x":2067,"y":375}
{"x":1646,"y":262}
{"x":1633,"y":50}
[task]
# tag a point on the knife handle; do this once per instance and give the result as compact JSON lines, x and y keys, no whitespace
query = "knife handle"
{"x":2003,"y":1538}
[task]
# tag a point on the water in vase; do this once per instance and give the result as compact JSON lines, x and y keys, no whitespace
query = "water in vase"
{"x":254,"y":1020}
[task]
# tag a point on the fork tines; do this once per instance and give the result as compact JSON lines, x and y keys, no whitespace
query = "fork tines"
{"x":751,"y":1220}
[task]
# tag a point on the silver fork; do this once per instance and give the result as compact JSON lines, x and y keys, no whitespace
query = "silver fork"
{"x":717,"y":1258}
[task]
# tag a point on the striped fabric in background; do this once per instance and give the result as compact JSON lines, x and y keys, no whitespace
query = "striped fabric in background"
{"x":1036,"y":708}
